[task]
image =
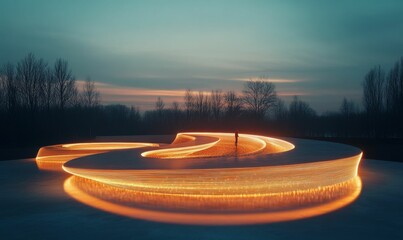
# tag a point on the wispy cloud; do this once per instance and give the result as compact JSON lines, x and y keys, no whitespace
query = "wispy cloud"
{"x":139,"y":97}
{"x":145,"y":98}
{"x":292,"y":93}
{"x":273,"y":80}
{"x":110,"y":89}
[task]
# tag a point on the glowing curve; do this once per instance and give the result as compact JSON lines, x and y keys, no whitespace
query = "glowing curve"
{"x":212,"y":218}
{"x":303,"y":177}
{"x":54,"y":156}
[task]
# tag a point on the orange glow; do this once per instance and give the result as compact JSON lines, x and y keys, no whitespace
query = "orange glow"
{"x":107,"y":146}
{"x":53,"y":157}
{"x":110,"y":89}
{"x":226,"y":181}
{"x":183,"y":146}
{"x":219,"y":145}
{"x":142,"y":97}
{"x":209,"y":210}
{"x":203,"y":178}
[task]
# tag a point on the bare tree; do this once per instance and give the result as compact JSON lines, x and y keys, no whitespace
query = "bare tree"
{"x":2,"y":91}
{"x":348,"y":108}
{"x":31,"y":73}
{"x":394,"y":88}
{"x":159,"y":105}
{"x":176,"y":112}
{"x":202,"y":105}
{"x":280,"y":110}
{"x":90,"y":97}
{"x":373,"y":87}
{"x":66,"y":90}
{"x":233,"y":104}
{"x":259,"y":96}
{"x":175,"y":106}
{"x":400,"y":105}
{"x":189,"y":102}
{"x":48,"y":90}
{"x":300,"y":110}
{"x":216,"y":102}
{"x":10,"y":87}
{"x":134,"y":115}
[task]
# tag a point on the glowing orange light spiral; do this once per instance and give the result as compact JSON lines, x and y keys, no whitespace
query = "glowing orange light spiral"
{"x":203,"y":178}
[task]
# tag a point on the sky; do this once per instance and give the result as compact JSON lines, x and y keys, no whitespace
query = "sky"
{"x":136,"y":51}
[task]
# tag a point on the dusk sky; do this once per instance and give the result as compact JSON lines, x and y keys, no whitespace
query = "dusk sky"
{"x":138,"y":50}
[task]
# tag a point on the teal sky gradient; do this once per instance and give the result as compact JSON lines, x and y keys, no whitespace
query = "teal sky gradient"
{"x":327,"y":46}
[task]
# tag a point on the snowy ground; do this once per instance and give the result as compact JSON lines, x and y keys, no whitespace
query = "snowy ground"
{"x":34,"y":205}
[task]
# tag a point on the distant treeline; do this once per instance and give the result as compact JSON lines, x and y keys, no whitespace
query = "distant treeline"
{"x":258,"y":109}
{"x":41,"y":103}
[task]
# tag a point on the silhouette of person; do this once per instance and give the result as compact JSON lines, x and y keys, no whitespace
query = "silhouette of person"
{"x":236,"y":138}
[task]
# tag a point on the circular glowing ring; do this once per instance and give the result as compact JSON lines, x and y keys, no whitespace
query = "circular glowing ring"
{"x":203,"y":178}
{"x":311,"y":164}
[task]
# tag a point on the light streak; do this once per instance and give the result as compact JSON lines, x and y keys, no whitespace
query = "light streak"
{"x":107,"y":146}
{"x":203,"y":178}
{"x":227,"y":181}
{"x":192,"y":145}
{"x":196,"y":210}
{"x":224,"y":146}
{"x":53,"y":157}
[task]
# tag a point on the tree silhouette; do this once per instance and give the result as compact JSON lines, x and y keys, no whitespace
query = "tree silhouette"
{"x":49,"y":90}
{"x":373,"y":91}
{"x":90,"y":97}
{"x":233,"y":104}
{"x":348,"y":108}
{"x":159,"y":105}
{"x":259,"y":97}
{"x":201,"y":105}
{"x":41,"y":104}
{"x":280,"y":110}
{"x":216,"y":102}
{"x":10,"y":88}
{"x":66,"y":90}
{"x":31,"y":74}
{"x":189,"y":103}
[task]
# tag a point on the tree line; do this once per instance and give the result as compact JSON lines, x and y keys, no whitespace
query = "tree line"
{"x":258,"y":109}
{"x":42,"y":103}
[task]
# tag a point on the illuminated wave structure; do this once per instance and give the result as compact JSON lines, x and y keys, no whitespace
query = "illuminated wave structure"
{"x":53,"y":157}
{"x":203,"y":178}
{"x":210,"y":145}
{"x":213,"y":210}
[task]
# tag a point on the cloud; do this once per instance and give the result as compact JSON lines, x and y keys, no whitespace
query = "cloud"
{"x":273,"y":80}
{"x":132,"y":96}
{"x":145,"y":98}
{"x":142,"y":49}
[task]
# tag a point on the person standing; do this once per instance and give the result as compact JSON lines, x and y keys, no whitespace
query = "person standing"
{"x":236,"y":138}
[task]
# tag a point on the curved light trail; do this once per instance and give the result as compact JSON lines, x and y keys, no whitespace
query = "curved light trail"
{"x":53,"y":157}
{"x":239,"y":210}
{"x":203,"y":178}
{"x":218,"y":145}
